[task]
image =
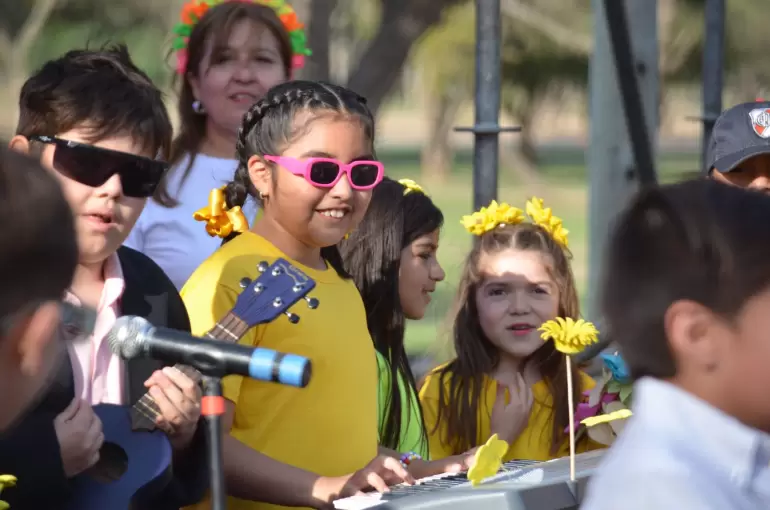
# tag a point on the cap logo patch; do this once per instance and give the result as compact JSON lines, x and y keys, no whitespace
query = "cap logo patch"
{"x":760,"y":121}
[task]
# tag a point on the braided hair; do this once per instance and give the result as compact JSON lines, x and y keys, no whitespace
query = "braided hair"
{"x":268,"y":127}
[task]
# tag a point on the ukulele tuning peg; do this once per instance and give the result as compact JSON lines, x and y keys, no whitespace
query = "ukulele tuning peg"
{"x":244,"y":282}
{"x":277,"y":271}
{"x":258,"y":288}
{"x":262,"y":266}
{"x":298,"y":287}
{"x":312,"y":302}
{"x":293,"y":318}
{"x":277,"y":302}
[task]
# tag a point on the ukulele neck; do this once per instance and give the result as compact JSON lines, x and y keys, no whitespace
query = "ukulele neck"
{"x":230,"y":329}
{"x":145,"y":412}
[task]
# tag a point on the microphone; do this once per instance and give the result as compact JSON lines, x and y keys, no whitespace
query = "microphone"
{"x":133,"y":337}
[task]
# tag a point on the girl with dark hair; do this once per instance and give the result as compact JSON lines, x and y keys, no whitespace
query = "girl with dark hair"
{"x":228,"y":54}
{"x":505,"y":379}
{"x":391,"y":256}
{"x":306,"y":153}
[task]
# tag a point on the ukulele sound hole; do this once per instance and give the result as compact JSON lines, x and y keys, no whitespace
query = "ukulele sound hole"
{"x":113,"y":462}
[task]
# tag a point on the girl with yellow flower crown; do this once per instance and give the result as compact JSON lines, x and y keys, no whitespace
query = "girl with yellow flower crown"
{"x":227,"y":55}
{"x":505,"y":379}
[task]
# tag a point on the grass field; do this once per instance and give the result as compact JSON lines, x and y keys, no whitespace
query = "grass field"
{"x":565,"y":190}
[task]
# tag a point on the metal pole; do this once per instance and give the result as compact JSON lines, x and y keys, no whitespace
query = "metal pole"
{"x":487,"y":100}
{"x":614,"y":172}
{"x":713,"y":65}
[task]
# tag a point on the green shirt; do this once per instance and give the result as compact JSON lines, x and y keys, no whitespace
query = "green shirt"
{"x":411,"y":439}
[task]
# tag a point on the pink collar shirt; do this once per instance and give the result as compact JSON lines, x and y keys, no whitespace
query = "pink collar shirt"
{"x":98,"y":373}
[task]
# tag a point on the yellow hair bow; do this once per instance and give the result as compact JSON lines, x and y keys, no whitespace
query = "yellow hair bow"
{"x":487,"y":218}
{"x":410,"y":186}
{"x":544,"y":217}
{"x":221,"y":221}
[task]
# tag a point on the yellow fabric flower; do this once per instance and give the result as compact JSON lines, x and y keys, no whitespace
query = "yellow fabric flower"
{"x":488,"y":218}
{"x":569,"y":336}
{"x":487,"y":460}
{"x":606,"y":418}
{"x":544,"y":217}
{"x":221,"y":221}
{"x":410,"y":186}
{"x":6,"y":481}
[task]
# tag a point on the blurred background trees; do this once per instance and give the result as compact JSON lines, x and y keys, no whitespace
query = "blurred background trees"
{"x":415,"y":53}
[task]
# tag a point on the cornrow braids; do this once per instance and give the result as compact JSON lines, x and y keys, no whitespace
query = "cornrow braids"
{"x":268,"y":128}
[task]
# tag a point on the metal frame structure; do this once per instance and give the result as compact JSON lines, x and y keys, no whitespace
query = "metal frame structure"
{"x":486,"y":128}
{"x":713,"y":71}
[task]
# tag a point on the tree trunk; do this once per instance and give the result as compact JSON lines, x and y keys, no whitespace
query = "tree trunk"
{"x":437,"y":154}
{"x":318,"y":65}
{"x":380,"y":65}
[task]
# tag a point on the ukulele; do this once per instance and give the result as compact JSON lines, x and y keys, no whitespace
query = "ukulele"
{"x":135,"y":459}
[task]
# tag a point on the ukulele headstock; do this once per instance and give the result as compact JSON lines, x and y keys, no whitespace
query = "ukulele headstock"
{"x":277,"y":288}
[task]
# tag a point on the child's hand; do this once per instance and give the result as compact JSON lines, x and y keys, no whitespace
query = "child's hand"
{"x":179,"y":400}
{"x":453,"y":464}
{"x":378,"y":474}
{"x":510,"y":419}
{"x":80,"y":436}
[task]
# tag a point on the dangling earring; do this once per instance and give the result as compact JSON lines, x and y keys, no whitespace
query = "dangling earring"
{"x":198,"y":107}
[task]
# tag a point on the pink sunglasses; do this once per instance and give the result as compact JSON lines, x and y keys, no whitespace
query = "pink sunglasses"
{"x":326,"y":172}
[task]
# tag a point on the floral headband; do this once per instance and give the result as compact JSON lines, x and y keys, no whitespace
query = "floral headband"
{"x":193,"y":11}
{"x":411,"y":186}
{"x":495,"y":215}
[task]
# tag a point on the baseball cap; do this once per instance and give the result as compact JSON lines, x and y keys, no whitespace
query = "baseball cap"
{"x":739,"y":133}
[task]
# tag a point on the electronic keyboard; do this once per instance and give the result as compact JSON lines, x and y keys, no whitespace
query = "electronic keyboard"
{"x":519,"y":485}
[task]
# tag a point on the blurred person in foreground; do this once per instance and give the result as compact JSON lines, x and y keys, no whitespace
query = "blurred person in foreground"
{"x":695,"y":334}
{"x":37,"y":261}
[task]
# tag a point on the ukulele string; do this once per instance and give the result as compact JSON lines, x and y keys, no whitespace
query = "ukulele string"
{"x":147,"y":406}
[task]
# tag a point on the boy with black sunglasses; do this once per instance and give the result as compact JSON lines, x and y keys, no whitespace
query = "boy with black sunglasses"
{"x":99,"y":125}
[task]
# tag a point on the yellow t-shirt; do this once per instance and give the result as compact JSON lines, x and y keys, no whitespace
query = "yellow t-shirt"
{"x":534,"y":443}
{"x":328,"y":427}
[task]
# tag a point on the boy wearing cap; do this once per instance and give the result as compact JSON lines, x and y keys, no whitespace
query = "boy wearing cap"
{"x":739,"y":150}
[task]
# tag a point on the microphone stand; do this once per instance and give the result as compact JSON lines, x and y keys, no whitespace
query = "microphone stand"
{"x":212,"y":409}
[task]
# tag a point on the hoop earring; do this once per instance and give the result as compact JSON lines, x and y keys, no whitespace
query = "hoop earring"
{"x":261,"y":195}
{"x":197,"y":107}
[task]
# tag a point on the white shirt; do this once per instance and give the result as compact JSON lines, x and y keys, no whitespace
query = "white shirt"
{"x":678,"y":451}
{"x":170,"y":236}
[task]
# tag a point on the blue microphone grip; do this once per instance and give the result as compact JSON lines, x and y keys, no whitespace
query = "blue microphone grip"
{"x":288,"y":369}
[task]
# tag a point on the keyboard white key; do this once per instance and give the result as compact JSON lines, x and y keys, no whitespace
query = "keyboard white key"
{"x":441,"y":481}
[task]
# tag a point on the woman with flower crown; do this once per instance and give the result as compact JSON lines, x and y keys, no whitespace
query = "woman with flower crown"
{"x":505,"y":380}
{"x":228,"y":54}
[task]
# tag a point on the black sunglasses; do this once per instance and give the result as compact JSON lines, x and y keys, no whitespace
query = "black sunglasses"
{"x":93,"y":166}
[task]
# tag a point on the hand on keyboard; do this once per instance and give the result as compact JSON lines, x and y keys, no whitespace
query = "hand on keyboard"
{"x":453,"y":464}
{"x":378,"y":474}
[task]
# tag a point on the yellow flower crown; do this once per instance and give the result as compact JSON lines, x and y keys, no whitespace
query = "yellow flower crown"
{"x":410,"y":186}
{"x":488,"y":218}
{"x":220,"y":220}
